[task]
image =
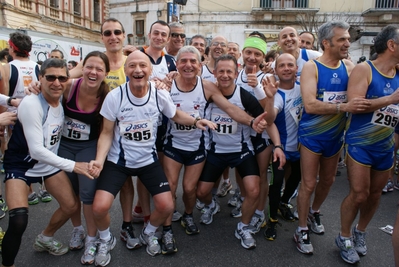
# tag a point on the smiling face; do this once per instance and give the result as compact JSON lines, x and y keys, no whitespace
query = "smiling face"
{"x":218,"y":47}
{"x":176,"y":41}
{"x":114,"y":42}
{"x":252,"y":57}
{"x":234,"y":50}
{"x":288,"y":40}
{"x":286,"y":68}
{"x":159,"y":36}
{"x":200,"y":44}
{"x":226,"y":73}
{"x":138,"y":68}
{"x":94,"y":72}
{"x":52,"y":91}
{"x":307,"y":40}
{"x":188,"y":65}
{"x":339,"y":45}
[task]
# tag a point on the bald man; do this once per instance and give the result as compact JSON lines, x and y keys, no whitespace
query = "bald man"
{"x":137,"y":132}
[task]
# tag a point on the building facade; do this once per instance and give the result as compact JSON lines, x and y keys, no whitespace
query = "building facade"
{"x":235,"y":19}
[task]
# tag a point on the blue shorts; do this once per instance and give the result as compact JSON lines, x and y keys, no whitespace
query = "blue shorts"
{"x":292,"y":155}
{"x":376,"y":160}
{"x":186,"y":158}
{"x":245,"y":163}
{"x":325,"y":148}
{"x":259,"y":143}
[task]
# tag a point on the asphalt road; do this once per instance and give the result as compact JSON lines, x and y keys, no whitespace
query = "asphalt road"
{"x":216,"y":244}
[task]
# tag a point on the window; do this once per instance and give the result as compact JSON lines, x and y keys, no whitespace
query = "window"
{"x":284,"y":3}
{"x":140,"y":28}
{"x":96,"y":10}
{"x":386,"y":4}
{"x":54,"y":3}
{"x":76,"y":7}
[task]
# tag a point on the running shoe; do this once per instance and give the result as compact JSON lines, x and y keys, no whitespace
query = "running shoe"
{"x":127,"y":235}
{"x":271,"y":229}
{"x":236,"y":212}
{"x":390,"y":186}
{"x":302,"y":241}
{"x":315,"y":224}
{"x":245,"y":235}
{"x":188,"y":223}
{"x":54,"y":247}
{"x":285,"y":212}
{"x":347,"y":251}
{"x":168,"y":243}
{"x":199,"y":205}
{"x":89,"y":255}
{"x":176,"y":216}
{"x":359,"y":241}
{"x":235,"y":198}
{"x":208,"y":212}
{"x":137,"y":217}
{"x":77,"y":239}
{"x":224,"y":189}
{"x":3,"y":208}
{"x":150,"y":240}
{"x":45,"y":196}
{"x":103,"y":256}
{"x":33,"y":199}
{"x":257,"y":222}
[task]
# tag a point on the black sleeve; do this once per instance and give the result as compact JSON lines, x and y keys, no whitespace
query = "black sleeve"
{"x":250,"y":103}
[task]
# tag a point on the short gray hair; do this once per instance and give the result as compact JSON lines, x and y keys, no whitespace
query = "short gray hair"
{"x":176,"y":25}
{"x":326,"y":31}
{"x":53,"y":63}
{"x":189,"y":49}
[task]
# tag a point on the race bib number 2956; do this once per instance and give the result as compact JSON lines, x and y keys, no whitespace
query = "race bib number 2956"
{"x":387,"y":116}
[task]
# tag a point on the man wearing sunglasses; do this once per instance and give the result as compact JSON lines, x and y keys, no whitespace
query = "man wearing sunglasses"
{"x":177,"y":40}
{"x":217,"y":48}
{"x":32,"y":156}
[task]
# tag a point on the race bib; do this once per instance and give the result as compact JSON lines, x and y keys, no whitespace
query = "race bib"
{"x":296,"y":113}
{"x":225,"y":124}
{"x":187,"y":128}
{"x":53,"y":136}
{"x":75,"y":129}
{"x":139,"y":131}
{"x":335,"y":97}
{"x":386,"y":116}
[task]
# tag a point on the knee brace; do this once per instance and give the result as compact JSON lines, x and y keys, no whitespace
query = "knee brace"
{"x":18,"y":220}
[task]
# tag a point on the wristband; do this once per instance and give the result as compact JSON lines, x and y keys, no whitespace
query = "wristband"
{"x":259,"y":92}
{"x":251,"y":123}
{"x":279,"y":146}
{"x":9,"y":101}
{"x":196,"y":120}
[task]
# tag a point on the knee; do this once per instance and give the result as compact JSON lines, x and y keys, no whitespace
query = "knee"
{"x":100,"y":210}
{"x":164,"y":205}
{"x":327,"y":181}
{"x":307,"y":187}
{"x":252,"y":192}
{"x":18,"y":220}
{"x":70,"y":207}
{"x":359,"y":197}
{"x":202,"y":192}
{"x":189,"y":189}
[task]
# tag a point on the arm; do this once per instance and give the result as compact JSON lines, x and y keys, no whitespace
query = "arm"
{"x":185,"y":119}
{"x":76,"y":72}
{"x":309,"y":91}
{"x":103,"y":147}
{"x":30,"y":115}
{"x":357,"y":89}
{"x":237,"y":114}
{"x":270,"y":88}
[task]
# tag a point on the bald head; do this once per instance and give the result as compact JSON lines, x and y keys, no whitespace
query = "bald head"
{"x":288,"y":40}
{"x":286,"y":69}
{"x":138,"y":68}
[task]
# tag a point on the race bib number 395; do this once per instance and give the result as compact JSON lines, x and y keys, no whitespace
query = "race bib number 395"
{"x":139,"y":131}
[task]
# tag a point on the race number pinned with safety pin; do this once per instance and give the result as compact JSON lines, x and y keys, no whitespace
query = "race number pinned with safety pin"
{"x":387,"y":116}
{"x":139,"y":131}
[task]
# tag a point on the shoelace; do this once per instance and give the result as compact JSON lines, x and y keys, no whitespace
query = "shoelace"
{"x":189,"y":220}
{"x":360,"y":238}
{"x":255,"y":219}
{"x":246,"y":233}
{"x":152,"y":240}
{"x":317,"y":217}
{"x":129,"y":231}
{"x":103,"y":247}
{"x":168,"y":237}
{"x":91,"y":249}
{"x":305,"y":237}
{"x":76,"y":236}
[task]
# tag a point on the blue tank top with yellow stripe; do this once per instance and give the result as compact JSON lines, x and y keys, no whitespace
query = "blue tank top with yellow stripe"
{"x":331,"y":88}
{"x":374,"y":130}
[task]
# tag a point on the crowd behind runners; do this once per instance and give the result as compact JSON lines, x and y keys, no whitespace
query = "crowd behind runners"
{"x":148,"y":112}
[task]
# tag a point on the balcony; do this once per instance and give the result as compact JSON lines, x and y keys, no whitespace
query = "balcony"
{"x":26,"y":4}
{"x":54,"y":12}
{"x":77,"y":20}
{"x":383,"y":9}
{"x":281,"y":7}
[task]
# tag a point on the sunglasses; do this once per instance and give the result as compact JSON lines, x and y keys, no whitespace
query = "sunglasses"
{"x":52,"y":78}
{"x":108,"y":33}
{"x":217,"y":43}
{"x":175,"y":35}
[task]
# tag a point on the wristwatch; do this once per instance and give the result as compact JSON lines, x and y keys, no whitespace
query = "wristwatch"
{"x":9,"y":101}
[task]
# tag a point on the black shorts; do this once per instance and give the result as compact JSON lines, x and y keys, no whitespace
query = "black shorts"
{"x":186,"y":158}
{"x":27,"y":179}
{"x":244,"y":162}
{"x":259,"y":143}
{"x":113,"y":177}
